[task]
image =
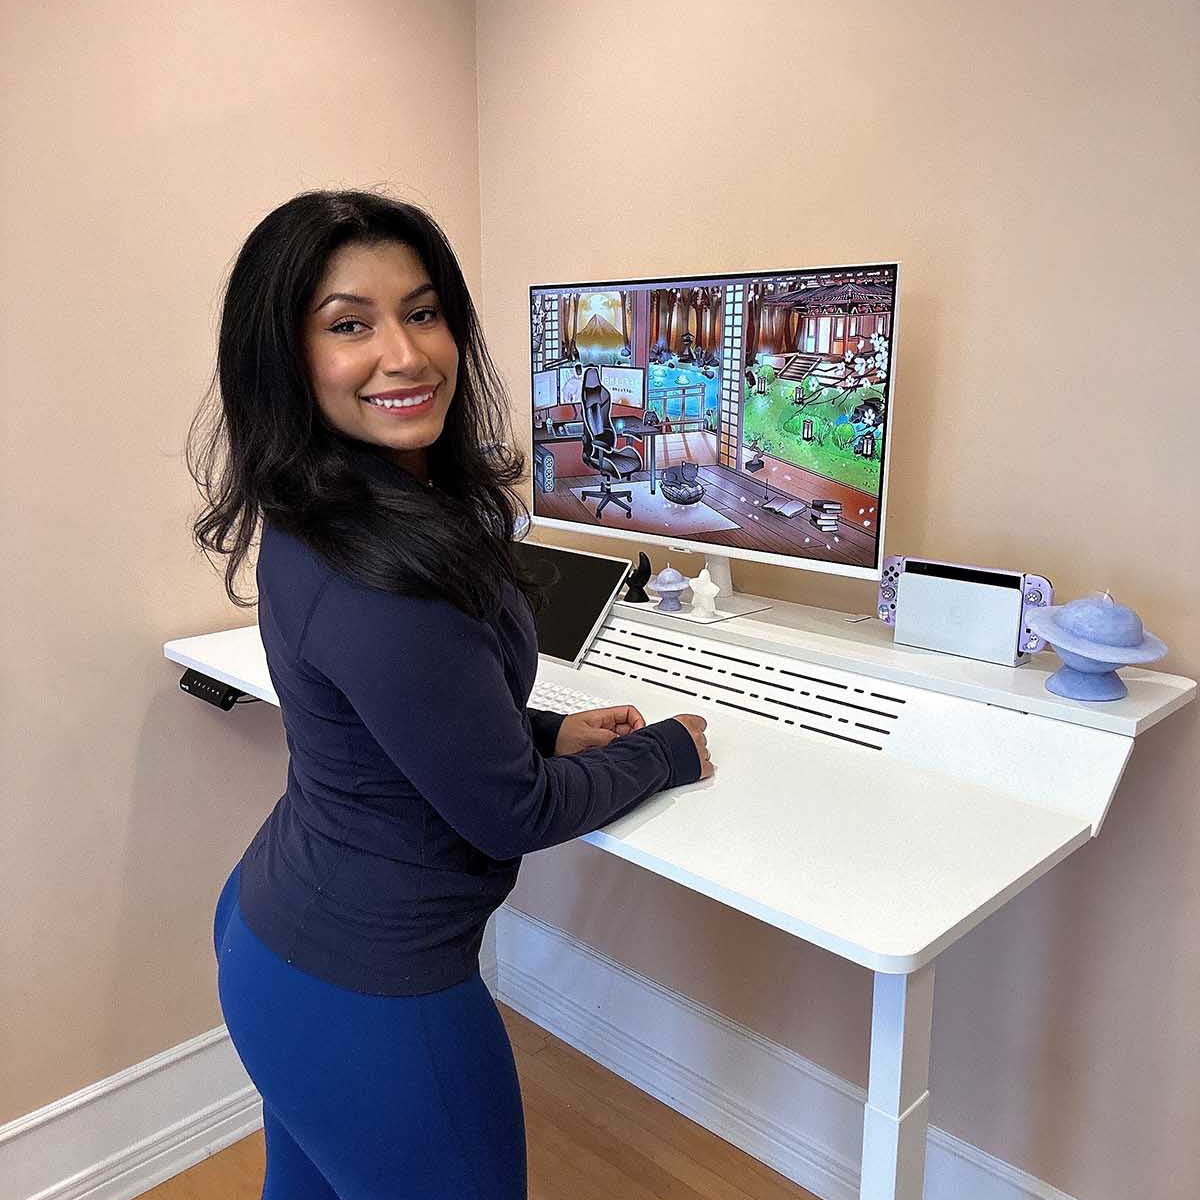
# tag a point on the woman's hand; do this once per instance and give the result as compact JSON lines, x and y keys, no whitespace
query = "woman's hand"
{"x":696,"y":725}
{"x":596,"y":727}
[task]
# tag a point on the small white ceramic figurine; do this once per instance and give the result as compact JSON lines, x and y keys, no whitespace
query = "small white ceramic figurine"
{"x":704,"y":595}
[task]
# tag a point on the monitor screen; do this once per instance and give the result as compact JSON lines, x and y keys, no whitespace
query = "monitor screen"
{"x":742,"y":414}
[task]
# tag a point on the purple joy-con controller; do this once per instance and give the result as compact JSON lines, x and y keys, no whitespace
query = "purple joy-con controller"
{"x":889,"y":588}
{"x":1036,"y":593}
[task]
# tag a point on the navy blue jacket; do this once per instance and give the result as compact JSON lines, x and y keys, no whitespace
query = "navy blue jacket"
{"x":417,"y":777}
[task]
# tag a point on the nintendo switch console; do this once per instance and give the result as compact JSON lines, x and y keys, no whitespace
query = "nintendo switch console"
{"x":975,"y":612}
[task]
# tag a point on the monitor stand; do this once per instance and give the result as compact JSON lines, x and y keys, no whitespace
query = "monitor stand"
{"x":728,"y":602}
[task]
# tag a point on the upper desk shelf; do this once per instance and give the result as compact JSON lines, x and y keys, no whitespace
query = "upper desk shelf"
{"x":864,"y":645}
{"x":822,"y":636}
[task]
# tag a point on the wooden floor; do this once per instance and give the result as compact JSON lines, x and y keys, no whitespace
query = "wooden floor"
{"x":591,"y":1136}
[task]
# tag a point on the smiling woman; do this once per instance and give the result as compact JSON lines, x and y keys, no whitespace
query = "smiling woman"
{"x":347,"y":327}
{"x":403,"y":654}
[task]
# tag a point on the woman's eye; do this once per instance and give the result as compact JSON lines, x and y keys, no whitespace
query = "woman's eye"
{"x":422,"y":316}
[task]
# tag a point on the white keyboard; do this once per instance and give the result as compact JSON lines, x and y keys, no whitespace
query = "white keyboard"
{"x":556,"y":698}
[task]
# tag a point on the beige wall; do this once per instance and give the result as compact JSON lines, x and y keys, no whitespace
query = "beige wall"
{"x":141,"y":145}
{"x":1035,"y":168}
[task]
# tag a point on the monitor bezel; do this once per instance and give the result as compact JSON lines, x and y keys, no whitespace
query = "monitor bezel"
{"x":821,"y":565}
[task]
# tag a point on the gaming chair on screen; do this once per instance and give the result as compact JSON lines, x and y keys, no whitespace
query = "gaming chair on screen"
{"x":599,"y":445}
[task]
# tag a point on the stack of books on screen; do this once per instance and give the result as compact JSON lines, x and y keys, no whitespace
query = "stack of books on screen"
{"x":824,"y":514}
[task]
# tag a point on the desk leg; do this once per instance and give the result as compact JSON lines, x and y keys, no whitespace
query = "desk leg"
{"x":653,"y":440}
{"x":897,"y":1115}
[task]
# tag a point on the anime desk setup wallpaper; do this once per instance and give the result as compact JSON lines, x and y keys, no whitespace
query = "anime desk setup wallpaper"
{"x":747,"y":411}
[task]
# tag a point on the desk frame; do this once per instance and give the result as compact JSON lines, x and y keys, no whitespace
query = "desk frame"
{"x":896,"y":1116}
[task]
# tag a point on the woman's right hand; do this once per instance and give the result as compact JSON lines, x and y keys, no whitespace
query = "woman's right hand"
{"x":696,"y":725}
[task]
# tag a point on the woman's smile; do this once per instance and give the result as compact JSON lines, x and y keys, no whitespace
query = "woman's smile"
{"x":410,"y":404}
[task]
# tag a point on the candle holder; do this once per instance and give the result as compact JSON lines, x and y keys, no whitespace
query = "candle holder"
{"x":636,"y":581}
{"x":1094,"y":636}
{"x":667,"y":584}
{"x":704,"y":595}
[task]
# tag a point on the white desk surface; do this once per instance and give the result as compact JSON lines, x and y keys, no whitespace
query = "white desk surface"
{"x":882,"y":866}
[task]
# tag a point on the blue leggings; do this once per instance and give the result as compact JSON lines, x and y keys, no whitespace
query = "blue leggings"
{"x":371,"y":1097}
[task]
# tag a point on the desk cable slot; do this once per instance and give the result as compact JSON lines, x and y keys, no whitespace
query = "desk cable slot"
{"x":753,"y":691}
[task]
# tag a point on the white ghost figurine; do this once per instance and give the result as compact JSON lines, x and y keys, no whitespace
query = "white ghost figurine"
{"x":704,"y":595}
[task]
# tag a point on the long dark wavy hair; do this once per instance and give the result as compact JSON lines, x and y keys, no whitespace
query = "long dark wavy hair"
{"x":268,"y":453}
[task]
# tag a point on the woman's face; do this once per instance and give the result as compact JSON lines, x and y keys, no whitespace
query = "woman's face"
{"x":376,"y":329}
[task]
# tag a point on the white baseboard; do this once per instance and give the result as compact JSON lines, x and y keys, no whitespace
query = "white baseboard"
{"x":782,"y":1109}
{"x":126,"y":1134}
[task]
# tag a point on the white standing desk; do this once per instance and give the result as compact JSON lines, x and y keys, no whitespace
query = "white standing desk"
{"x":876,"y":800}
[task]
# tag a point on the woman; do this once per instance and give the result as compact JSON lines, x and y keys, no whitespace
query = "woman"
{"x":362,"y":420}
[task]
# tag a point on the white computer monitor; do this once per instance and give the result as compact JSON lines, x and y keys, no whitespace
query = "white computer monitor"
{"x":772,"y":393}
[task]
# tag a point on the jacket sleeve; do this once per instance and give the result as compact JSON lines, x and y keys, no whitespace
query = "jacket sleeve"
{"x":428,"y":682}
{"x":545,"y":729}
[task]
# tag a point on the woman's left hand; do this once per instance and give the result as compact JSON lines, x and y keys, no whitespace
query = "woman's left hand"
{"x":596,"y":727}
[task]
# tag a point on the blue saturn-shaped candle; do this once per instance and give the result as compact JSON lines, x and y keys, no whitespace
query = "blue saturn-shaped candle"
{"x":1094,"y":636}
{"x":667,"y":585}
